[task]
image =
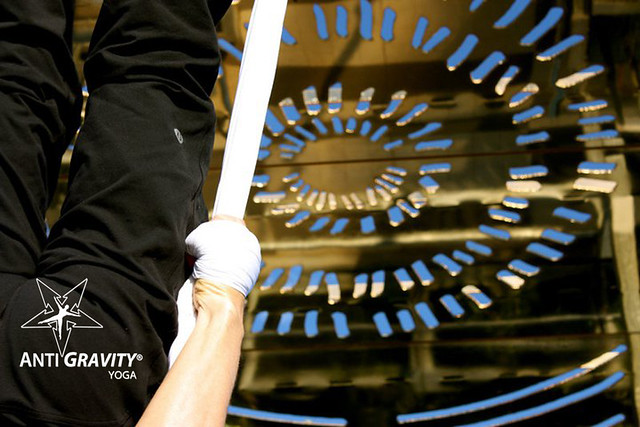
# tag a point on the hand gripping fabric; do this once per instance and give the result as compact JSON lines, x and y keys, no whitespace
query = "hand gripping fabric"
{"x":257,"y":73}
{"x":226,"y":253}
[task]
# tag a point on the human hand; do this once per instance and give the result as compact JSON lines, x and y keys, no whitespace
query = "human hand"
{"x":227,"y":259}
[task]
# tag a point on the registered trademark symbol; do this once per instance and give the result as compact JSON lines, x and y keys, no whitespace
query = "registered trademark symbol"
{"x":139,"y":357}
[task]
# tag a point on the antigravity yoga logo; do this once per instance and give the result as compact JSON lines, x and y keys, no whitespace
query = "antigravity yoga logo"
{"x":62,"y":314}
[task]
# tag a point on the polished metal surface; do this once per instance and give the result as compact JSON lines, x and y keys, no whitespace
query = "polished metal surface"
{"x":446,"y":201}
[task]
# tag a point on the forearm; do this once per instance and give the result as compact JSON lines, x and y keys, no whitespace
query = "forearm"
{"x":197,"y":389}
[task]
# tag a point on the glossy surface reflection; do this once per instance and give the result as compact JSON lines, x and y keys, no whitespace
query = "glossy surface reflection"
{"x":446,"y":202}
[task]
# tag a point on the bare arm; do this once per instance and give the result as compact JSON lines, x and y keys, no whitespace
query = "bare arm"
{"x":197,"y":389}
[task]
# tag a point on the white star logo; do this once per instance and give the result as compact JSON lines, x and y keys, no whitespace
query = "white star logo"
{"x":61,"y":314}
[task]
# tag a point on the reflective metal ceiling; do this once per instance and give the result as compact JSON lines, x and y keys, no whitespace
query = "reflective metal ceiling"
{"x":446,"y":203}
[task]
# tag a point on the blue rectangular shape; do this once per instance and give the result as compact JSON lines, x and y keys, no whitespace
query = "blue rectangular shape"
{"x":265,"y":141}
{"x":272,"y":278}
{"x":296,"y":185}
{"x":452,"y":267}
{"x":305,"y":133}
{"x":260,"y":180}
{"x":395,"y":216}
{"x":423,"y":273}
{"x":463,"y":257}
{"x":367,"y":225}
{"x":340,"y":324}
{"x":572,"y":215}
{"x":478,"y":248}
{"x":524,"y":268}
{"x":560,"y":47}
{"x":321,"y":22}
{"x":532,"y":138}
{"x":378,"y":133}
{"x":426,"y":315}
{"x":427,"y":129}
{"x":441,"y":144}
{"x":366,"y":20}
{"x":388,"y":22}
{"x":382,"y":324}
{"x":607,"y":118}
{"x":259,"y":322}
{"x":391,"y":108}
{"x":291,"y":113}
{"x":366,"y":127}
{"x":487,"y":66}
{"x":406,"y":320}
{"x":292,"y":280}
{"x":337,"y":125}
{"x":481,"y":299}
{"x":514,"y":11}
{"x":527,"y":115}
{"x":225,"y":46}
{"x":418,"y":34}
{"x":339,"y":225}
{"x":393,"y":144}
{"x":291,"y":148}
{"x":297,"y":219}
{"x":287,"y":38}
{"x":494,"y":232}
{"x":297,"y":141}
{"x":515,"y":202}
{"x":594,"y":105}
{"x":311,"y":323}
{"x":544,"y":251}
{"x":603,"y":134}
{"x":341,"y":21}
{"x":319,"y":224}
{"x":320,"y":126}
{"x":462,"y":53}
{"x":314,"y":282}
{"x":284,"y":325}
{"x":544,"y":26}
{"x":352,"y":124}
{"x":435,"y":168}
{"x":429,"y":184}
{"x":436,"y":39}
{"x":558,"y":236}
{"x":273,"y":124}
{"x":378,"y":276}
{"x":404,"y":279}
{"x":598,"y":168}
{"x":526,"y":172}
{"x":504,"y":215}
{"x":452,"y":305}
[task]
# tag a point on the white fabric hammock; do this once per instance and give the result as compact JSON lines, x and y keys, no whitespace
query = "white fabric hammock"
{"x":257,"y":73}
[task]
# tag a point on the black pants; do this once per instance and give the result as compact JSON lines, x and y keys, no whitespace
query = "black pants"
{"x":87,"y":314}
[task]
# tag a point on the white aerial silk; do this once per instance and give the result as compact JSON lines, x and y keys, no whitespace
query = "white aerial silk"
{"x":257,"y":73}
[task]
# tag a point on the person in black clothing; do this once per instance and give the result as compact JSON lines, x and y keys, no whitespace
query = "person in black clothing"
{"x":115,"y":257}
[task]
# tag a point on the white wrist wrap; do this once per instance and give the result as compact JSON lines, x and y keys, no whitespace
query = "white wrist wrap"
{"x":226,"y":253}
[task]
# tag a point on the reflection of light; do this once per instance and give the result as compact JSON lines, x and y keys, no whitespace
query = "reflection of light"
{"x":524,"y":392}
{"x":349,"y":125}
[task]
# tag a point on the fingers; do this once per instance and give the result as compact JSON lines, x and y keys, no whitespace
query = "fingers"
{"x":226,"y":253}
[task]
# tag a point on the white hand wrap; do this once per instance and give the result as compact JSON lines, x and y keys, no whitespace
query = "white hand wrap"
{"x":226,"y":253}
